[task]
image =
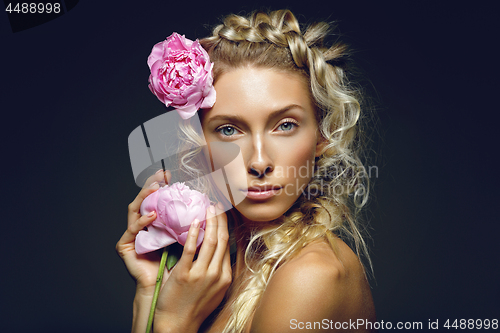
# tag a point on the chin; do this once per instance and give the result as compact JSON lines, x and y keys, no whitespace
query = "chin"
{"x":262,"y":211}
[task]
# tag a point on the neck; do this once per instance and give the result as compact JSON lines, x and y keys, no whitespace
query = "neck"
{"x":243,"y":230}
{"x":242,"y":234}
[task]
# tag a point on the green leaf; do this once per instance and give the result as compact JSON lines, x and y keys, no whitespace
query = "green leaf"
{"x":174,"y":254}
{"x":171,"y":260}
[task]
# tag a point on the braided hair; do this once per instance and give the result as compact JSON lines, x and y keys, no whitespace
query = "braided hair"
{"x":339,"y":186}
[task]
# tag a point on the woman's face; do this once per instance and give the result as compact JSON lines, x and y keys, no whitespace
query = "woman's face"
{"x":270,"y":116}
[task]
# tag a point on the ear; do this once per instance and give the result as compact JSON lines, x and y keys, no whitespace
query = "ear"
{"x":321,"y":144}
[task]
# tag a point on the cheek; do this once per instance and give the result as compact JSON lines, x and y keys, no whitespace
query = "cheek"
{"x":297,"y":161}
{"x":228,"y":169}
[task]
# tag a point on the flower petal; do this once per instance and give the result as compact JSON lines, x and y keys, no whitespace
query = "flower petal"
{"x":187,"y":112}
{"x":153,"y":239}
{"x":178,"y":42}
{"x":156,"y":53}
{"x":149,"y":203}
{"x":183,"y":237}
{"x":175,"y":217}
{"x":209,"y":100}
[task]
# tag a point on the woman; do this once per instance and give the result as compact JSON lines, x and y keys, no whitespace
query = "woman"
{"x":285,"y":101}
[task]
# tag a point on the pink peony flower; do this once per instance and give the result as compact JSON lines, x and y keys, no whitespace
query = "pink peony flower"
{"x":181,"y":75}
{"x":176,"y":207}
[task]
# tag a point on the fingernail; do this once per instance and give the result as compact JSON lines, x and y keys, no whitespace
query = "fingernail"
{"x":157,"y":172}
{"x":211,"y":209}
{"x":154,"y":185}
{"x":219,"y":205}
{"x":151,"y":213}
{"x":195,"y":223}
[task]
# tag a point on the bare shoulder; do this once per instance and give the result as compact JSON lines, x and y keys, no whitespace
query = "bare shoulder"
{"x":317,"y":286}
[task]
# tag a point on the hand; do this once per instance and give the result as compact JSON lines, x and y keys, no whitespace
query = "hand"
{"x":195,"y":289}
{"x":143,"y":268}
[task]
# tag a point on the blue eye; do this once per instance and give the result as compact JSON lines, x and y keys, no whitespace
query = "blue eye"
{"x":287,"y":126}
{"x":227,"y":130}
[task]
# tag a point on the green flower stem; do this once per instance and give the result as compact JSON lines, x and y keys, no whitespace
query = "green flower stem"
{"x":159,"y":278}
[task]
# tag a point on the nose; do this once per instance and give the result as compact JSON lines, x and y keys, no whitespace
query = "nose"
{"x":260,"y":163}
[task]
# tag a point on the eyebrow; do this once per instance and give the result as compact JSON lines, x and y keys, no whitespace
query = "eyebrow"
{"x":273,"y":114}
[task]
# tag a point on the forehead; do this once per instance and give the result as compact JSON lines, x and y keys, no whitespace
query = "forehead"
{"x":252,"y":90}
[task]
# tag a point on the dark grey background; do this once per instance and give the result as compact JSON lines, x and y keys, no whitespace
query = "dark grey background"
{"x":74,"y":88}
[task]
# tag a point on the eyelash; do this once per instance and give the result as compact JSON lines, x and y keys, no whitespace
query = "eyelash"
{"x":285,"y":121}
{"x":220,"y":129}
{"x":289,"y":121}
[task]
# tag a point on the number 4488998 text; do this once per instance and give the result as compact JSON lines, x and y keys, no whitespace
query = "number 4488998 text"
{"x":34,"y":8}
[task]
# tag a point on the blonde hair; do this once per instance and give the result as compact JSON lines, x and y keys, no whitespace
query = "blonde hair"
{"x":339,"y":186}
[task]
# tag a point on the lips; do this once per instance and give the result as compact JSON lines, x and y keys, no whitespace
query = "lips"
{"x":263,"y":188}
{"x":261,"y":192}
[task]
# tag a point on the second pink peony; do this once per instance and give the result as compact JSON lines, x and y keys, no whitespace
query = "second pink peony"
{"x":176,"y":206}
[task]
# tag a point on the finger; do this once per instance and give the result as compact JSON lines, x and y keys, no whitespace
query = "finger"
{"x":226,"y":263}
{"x":135,"y":206}
{"x":209,"y":240}
{"x":222,"y":238}
{"x":134,"y":228}
{"x":186,"y":261}
{"x":152,"y":184}
{"x":158,"y":176}
{"x":167,"y":176}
